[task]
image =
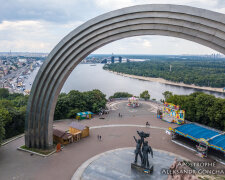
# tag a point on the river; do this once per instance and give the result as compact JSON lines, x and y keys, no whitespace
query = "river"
{"x":86,"y":77}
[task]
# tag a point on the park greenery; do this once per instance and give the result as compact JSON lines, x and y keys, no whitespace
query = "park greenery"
{"x":199,"y":71}
{"x":121,"y":95}
{"x":39,"y":151}
{"x":201,"y":108}
{"x":167,"y":95}
{"x":12,"y":113}
{"x":69,"y":104}
{"x":13,"y":108}
{"x":145,"y":95}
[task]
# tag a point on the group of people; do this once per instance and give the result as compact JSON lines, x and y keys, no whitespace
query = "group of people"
{"x":99,"y":137}
{"x":120,"y":115}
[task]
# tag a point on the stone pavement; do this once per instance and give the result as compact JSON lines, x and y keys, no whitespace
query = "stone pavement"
{"x":20,"y":165}
{"x":116,"y":164}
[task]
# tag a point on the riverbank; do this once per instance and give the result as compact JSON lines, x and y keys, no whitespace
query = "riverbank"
{"x":163,"y":81}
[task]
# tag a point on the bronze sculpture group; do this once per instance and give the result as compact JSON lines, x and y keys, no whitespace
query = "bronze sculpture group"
{"x":142,"y":150}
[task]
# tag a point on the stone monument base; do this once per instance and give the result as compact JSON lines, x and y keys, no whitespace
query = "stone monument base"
{"x":141,"y":169}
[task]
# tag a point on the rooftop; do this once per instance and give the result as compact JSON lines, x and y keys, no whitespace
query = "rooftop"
{"x":77,"y":126}
{"x":216,"y":139}
{"x":61,"y":134}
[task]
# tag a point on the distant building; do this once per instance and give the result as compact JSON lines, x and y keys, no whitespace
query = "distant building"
{"x":112,"y":59}
{"x":104,"y":61}
{"x":5,"y":70}
{"x":23,"y":60}
{"x":120,"y":59}
{"x":1,"y":74}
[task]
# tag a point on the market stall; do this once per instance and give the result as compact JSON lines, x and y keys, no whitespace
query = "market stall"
{"x":84,"y":115}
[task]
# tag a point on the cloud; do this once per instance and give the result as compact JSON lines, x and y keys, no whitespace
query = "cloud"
{"x":60,"y":11}
{"x":25,"y":46}
{"x":154,"y":45}
{"x":38,"y":25}
{"x":63,"y":11}
{"x":36,"y":36}
{"x":147,"y":43}
{"x":115,"y":4}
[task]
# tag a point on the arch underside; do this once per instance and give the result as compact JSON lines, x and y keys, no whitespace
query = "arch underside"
{"x":197,"y":25}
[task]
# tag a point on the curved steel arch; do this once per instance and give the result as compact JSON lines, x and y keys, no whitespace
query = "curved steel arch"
{"x":202,"y":26}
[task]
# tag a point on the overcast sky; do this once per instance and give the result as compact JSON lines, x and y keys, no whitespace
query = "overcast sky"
{"x":38,"y":25}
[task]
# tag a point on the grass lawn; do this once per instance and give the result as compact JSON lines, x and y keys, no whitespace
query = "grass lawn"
{"x":41,"y":151}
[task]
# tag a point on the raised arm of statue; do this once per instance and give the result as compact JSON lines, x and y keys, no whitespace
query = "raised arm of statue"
{"x":138,"y":133}
{"x":135,"y":139}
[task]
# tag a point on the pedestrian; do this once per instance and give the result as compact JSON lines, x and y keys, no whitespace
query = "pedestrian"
{"x":100,"y":137}
{"x":147,"y":124}
{"x":119,"y":114}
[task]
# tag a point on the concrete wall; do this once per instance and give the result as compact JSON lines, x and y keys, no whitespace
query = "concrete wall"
{"x":198,"y":25}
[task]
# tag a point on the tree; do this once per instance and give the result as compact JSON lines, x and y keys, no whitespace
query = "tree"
{"x":95,"y":100}
{"x":121,"y":95}
{"x":167,"y":95}
{"x":12,"y":111}
{"x":62,"y":107}
{"x":5,"y":117}
{"x":69,"y":104}
{"x":4,"y":93}
{"x":20,"y":101}
{"x":202,"y":108}
{"x":216,"y":114}
{"x":189,"y":70}
{"x":202,"y":103}
{"x":72,"y":113}
{"x":2,"y":130}
{"x":145,"y":95}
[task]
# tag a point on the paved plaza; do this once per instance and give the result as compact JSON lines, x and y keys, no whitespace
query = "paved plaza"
{"x":116,"y":133}
{"x":116,"y":164}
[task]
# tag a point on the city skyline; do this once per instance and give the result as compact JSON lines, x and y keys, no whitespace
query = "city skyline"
{"x":38,"y":26}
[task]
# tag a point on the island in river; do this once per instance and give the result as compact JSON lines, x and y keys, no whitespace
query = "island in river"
{"x":191,"y":72}
{"x":163,"y":81}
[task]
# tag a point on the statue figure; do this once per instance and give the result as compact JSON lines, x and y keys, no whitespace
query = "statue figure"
{"x":143,"y":135}
{"x":138,"y":149}
{"x":145,"y":150}
{"x":142,"y":150}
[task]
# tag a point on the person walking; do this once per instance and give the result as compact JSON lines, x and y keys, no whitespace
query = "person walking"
{"x":100,"y":137}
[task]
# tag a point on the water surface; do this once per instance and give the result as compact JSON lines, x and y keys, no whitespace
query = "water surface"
{"x":86,"y":77}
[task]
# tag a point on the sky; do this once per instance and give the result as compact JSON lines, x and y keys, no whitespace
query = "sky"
{"x":38,"y":25}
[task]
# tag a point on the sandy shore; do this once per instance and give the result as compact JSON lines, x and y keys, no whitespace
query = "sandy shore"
{"x":160,"y":80}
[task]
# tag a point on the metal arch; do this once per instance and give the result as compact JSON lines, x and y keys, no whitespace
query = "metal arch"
{"x":202,"y":26}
